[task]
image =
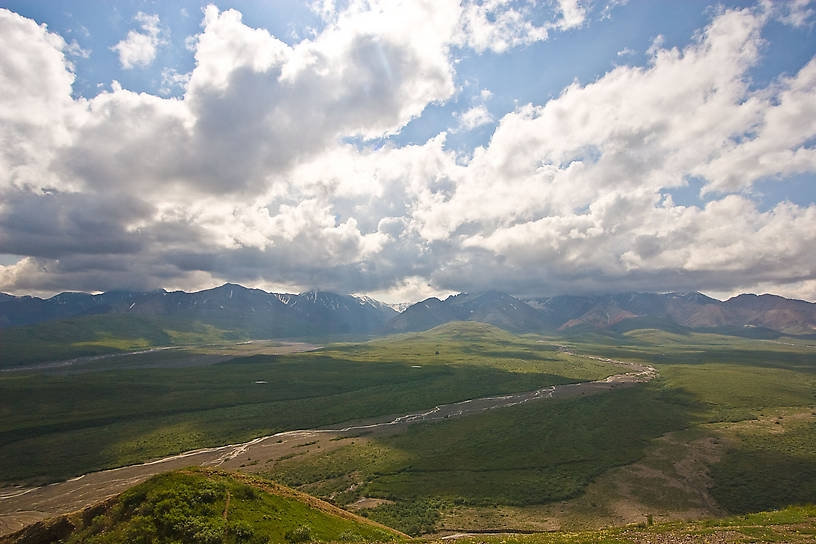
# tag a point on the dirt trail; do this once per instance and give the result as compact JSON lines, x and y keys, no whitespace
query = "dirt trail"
{"x":226,"y":506}
{"x":22,"y":506}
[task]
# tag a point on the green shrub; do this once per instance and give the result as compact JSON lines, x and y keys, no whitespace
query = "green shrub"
{"x":302,"y":533}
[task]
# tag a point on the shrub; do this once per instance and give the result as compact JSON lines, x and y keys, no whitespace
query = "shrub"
{"x":302,"y":533}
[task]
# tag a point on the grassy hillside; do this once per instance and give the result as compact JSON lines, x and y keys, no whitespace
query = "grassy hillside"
{"x":99,"y":335}
{"x":199,"y":506}
{"x":474,"y":345}
{"x":757,"y":396}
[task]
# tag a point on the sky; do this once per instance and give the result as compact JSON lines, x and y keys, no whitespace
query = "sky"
{"x":406,"y":149}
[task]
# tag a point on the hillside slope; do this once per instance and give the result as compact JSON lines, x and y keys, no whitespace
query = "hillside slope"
{"x":206,"y":506}
{"x":217,"y":507}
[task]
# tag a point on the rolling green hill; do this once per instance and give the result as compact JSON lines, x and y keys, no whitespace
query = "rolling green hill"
{"x":200,"y":506}
{"x":205,"y":506}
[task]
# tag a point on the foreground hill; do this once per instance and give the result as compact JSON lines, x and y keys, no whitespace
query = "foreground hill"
{"x":210,"y":507}
{"x":206,"y":506}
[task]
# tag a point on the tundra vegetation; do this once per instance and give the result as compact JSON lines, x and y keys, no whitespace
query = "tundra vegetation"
{"x":751,"y":401}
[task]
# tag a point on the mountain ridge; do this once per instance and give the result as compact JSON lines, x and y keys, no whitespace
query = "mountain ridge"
{"x":229,"y":306}
{"x":266,"y":314}
{"x":691,"y":310}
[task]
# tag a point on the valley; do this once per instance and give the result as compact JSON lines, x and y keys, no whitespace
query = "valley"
{"x":22,"y":505}
{"x":570,"y":432}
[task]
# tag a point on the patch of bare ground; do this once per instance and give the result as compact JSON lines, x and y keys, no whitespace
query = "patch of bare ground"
{"x":364,"y":503}
{"x":718,"y":537}
{"x":265,"y":454}
{"x":258,"y":347}
{"x":671,"y":482}
{"x":786,"y":533}
{"x":10,"y":523}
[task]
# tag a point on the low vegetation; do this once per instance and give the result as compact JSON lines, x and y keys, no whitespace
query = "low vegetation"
{"x":67,"y":423}
{"x":715,"y":387}
{"x":758,"y":395}
{"x":101,"y":335}
{"x":529,"y":454}
{"x":793,"y":525}
{"x":197,"y":506}
{"x":752,"y":401}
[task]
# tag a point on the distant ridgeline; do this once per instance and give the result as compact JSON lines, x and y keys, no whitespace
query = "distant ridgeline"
{"x":257,"y":313}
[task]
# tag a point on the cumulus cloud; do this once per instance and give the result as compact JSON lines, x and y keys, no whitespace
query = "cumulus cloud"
{"x":570,"y":192}
{"x":35,"y":82}
{"x":474,"y":117}
{"x":795,"y":12}
{"x":139,"y":49}
{"x":249,"y":176}
{"x":172,"y":81}
{"x":255,"y":105}
{"x":498,"y":25}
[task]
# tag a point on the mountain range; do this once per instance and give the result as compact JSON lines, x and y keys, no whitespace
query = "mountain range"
{"x":229,"y":306}
{"x":265,"y":314}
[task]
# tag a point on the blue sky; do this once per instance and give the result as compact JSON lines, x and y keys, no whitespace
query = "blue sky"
{"x":492,"y":149}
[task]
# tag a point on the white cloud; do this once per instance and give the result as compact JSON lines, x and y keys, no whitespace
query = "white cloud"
{"x":796,"y":13}
{"x":498,"y":25}
{"x":411,"y":289}
{"x":191,"y":43}
{"x":35,"y":82}
{"x":573,"y":14}
{"x":172,"y":80}
{"x":572,"y":188}
{"x":247,"y":176}
{"x":75,"y":50}
{"x":609,"y":7}
{"x":474,"y":117}
{"x":139,"y":49}
{"x":326,"y":9}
